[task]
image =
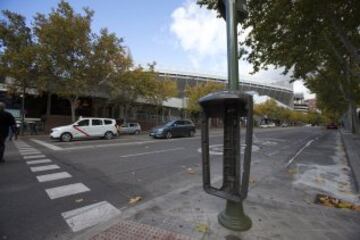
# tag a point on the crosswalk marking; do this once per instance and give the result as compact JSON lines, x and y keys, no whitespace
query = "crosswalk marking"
{"x":44,"y":168}
{"x":88,"y":216}
{"x":66,"y":190}
{"x":34,"y":156}
{"x":48,"y":145}
{"x":30,"y":153}
{"x":38,"y":161}
{"x":53,"y":176}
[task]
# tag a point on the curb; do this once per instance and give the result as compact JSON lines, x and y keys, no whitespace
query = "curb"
{"x":353,"y":159}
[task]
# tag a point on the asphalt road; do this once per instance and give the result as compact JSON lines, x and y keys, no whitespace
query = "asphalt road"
{"x":109,"y":173}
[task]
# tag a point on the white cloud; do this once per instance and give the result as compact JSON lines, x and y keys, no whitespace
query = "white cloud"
{"x":202,"y":36}
{"x":198,"y":30}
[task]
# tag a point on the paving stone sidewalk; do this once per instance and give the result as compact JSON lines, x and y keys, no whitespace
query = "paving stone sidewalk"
{"x":192,"y":214}
{"x":352,"y":148}
{"x":279,"y":209}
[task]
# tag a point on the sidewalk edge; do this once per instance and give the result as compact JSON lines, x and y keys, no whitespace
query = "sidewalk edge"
{"x":353,"y":159}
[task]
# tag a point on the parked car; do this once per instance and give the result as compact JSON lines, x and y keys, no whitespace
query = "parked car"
{"x":86,"y":128}
{"x":268,"y":125}
{"x":332,"y":126}
{"x":177,"y":128}
{"x":284,"y":125}
{"x":130,"y":128}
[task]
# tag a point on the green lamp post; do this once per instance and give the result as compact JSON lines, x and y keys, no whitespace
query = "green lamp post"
{"x":230,"y":105}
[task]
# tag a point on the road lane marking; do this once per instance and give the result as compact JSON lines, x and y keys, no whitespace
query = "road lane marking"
{"x":53,"y":176}
{"x":152,"y":152}
{"x":44,"y":168}
{"x":48,"y":145}
{"x":46,"y":160}
{"x":26,"y":149}
{"x":300,"y":151}
{"x":66,"y":190}
{"x":34,"y":156}
{"x":29,"y":153}
{"x":88,"y":216}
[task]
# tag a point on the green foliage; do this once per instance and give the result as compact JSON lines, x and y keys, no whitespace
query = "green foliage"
{"x":194,"y":93}
{"x":317,"y":41}
{"x":17,"y":51}
{"x":272,"y":111}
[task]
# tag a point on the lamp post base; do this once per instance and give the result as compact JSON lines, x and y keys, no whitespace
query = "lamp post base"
{"x":234,"y":218}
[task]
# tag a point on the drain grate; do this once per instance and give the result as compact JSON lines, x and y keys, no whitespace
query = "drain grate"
{"x":126,"y":230}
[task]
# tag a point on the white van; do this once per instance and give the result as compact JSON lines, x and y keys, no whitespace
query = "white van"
{"x":86,"y":128}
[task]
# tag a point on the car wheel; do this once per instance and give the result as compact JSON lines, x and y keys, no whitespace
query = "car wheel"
{"x":108,"y":135}
{"x":168,"y":135}
{"x":66,"y":137}
{"x":137,"y":132}
{"x":191,"y":133}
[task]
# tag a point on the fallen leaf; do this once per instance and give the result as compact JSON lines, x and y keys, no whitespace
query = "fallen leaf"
{"x":203,"y":228}
{"x":79,"y":200}
{"x":135,"y":200}
{"x":292,"y":171}
{"x":190,"y":171}
{"x":252,"y":181}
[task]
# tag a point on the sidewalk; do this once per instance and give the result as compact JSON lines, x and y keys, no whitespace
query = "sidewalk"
{"x":352,"y":148}
{"x":189,"y":213}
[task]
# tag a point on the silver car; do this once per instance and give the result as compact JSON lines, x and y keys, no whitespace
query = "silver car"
{"x":130,"y":128}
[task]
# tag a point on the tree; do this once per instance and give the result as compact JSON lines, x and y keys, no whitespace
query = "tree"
{"x":17,"y":55}
{"x":194,"y":93}
{"x":140,"y":85}
{"x":66,"y":46}
{"x":305,"y":38}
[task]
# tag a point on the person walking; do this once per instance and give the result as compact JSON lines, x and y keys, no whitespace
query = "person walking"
{"x":6,"y":121}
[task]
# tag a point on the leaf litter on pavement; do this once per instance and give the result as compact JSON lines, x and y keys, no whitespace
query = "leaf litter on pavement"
{"x":333,"y":202}
{"x":201,"y":227}
{"x":135,"y":199}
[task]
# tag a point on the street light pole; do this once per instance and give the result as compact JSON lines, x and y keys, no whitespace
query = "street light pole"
{"x":232,"y":48}
{"x":229,"y":106}
{"x":233,"y":217}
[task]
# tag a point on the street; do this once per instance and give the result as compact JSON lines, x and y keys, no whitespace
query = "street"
{"x":49,"y":196}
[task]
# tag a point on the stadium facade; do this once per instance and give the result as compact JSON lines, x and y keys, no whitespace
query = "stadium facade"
{"x":142,"y":112}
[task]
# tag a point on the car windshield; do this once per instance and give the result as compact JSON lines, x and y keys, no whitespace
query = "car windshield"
{"x":169,"y":124}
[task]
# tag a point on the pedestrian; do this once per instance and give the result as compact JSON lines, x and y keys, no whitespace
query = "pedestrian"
{"x":6,"y":121}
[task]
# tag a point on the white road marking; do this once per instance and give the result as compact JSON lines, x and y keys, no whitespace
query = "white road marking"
{"x":44,"y":168}
{"x":38,"y":161}
{"x":34,"y":156}
{"x":32,"y":151}
{"x":299,"y":152}
{"x":48,"y":145}
{"x":26,"y":149}
{"x":88,"y":216}
{"x":66,"y":190}
{"x":53,"y":176}
{"x":152,"y":152}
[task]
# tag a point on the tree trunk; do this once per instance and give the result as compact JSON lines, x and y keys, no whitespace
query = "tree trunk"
{"x":48,"y":105}
{"x":125,"y":113}
{"x":73,"y":108}
{"x":354,"y":118}
{"x":341,"y":35}
{"x":23,"y":111}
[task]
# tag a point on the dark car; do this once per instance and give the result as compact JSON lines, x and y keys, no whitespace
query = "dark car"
{"x":177,"y":128}
{"x":332,"y":126}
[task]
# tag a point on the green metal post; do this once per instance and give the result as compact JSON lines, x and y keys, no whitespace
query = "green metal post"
{"x":233,"y":217}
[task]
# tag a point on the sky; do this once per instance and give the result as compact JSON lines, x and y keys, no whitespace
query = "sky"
{"x":178,"y":35}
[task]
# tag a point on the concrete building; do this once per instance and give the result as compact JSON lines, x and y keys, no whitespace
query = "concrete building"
{"x":147,"y":114}
{"x":299,"y":103}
